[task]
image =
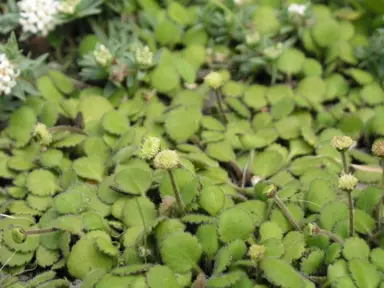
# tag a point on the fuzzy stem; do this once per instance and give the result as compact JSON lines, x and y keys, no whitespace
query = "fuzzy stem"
{"x":286,"y":212}
{"x":67,"y":128}
{"x":380,"y":206}
{"x":329,"y":234}
{"x":220,"y":105}
{"x":344,"y":159}
{"x":351,"y":220}
{"x":40,"y":231}
{"x":176,"y":191}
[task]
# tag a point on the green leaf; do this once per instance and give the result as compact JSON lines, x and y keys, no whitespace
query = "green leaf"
{"x":48,"y":90}
{"x":89,"y":168}
{"x":212,"y":199}
{"x":221,"y":151}
{"x":45,"y":257}
{"x":332,"y":213}
{"x":165,"y":78}
{"x":61,"y":81}
{"x":134,"y":180}
{"x":51,"y":158}
{"x":222,"y":260}
{"x":185,"y":69}
{"x":291,"y":61}
{"x":255,"y":96}
{"x":372,"y":94}
{"x":42,"y":182}
{"x":180,"y":251}
{"x":226,"y":280}
{"x":94,"y":107}
{"x":364,"y":273}
{"x":139,"y":211}
{"x":364,"y":223}
{"x":294,"y":243}
{"x":270,"y":230}
{"x":234,"y":223}
{"x":281,"y":273}
{"x":208,"y":238}
{"x":179,"y":127}
{"x":267,"y":164}
{"x":161,"y":277}
{"x":320,"y":193}
{"x":167,"y":32}
{"x":115,"y":122}
{"x":312,"y":262}
{"x":325,"y":32}
{"x":73,"y":201}
{"x":355,"y":248}
{"x":21,"y":125}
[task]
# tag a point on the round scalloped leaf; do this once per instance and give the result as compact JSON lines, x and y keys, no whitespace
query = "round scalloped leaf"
{"x":136,"y":209}
{"x":30,"y":244}
{"x":277,"y":92}
{"x":179,"y":127}
{"x":319,"y":194}
{"x":197,"y":219}
{"x":168,"y":226}
{"x":238,"y":249}
{"x":21,"y":124}
{"x":45,"y":257}
{"x":281,"y":273}
{"x":225,"y":280}
{"x":256,"y":208}
{"x":260,"y":139}
{"x":20,"y":207}
{"x":167,"y":32}
{"x":288,"y":127}
{"x":309,"y":136}
{"x":221,"y":151}
{"x":223,"y":259}
{"x":5,"y":171}
{"x":364,"y":273}
{"x":39,"y":203}
{"x":42,"y":182}
{"x":96,"y":146}
{"x":115,"y":122}
{"x":109,"y":281}
{"x":312,"y":67}
{"x":165,"y":78}
{"x":326,"y":32}
{"x":71,"y":223}
{"x":93,"y":107}
{"x":291,"y":61}
{"x":207,"y":235}
{"x":17,"y":192}
{"x":278,"y":217}
{"x":282,"y":108}
{"x":266,"y":21}
{"x":9,"y":258}
{"x":294,"y":243}
{"x":41,"y":278}
{"x":161,"y":277}
{"x":355,"y":248}
{"x":270,"y":230}
{"x":364,"y":223}
{"x":372,"y":94}
{"x":106,"y":194}
{"x":235,"y":223}
{"x":20,"y":163}
{"x":92,"y":278}
{"x":180,"y":251}
{"x":255,"y":97}
{"x":333,"y":252}
{"x":212,"y":199}
{"x":274,"y":248}
{"x":312,"y":262}
{"x":72,"y":201}
{"x":267,"y":164}
{"x":68,"y":140}
{"x":305,"y":89}
{"x":337,"y":270}
{"x":377,"y":258}
{"x":333,"y":212}
{"x":360,"y":76}
{"x":85,"y":257}
{"x":131,"y":269}
{"x":134,"y":180}
{"x":233,"y":89}
{"x":89,"y":168}
{"x":105,"y":246}
{"x":51,"y":158}
{"x":237,"y":106}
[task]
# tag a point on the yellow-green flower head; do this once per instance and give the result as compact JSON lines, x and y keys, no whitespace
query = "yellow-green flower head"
{"x":378,"y":149}
{"x":274,"y":52}
{"x":103,"y":56}
{"x":18,"y":235}
{"x":347,"y":182}
{"x":256,"y":251}
{"x":144,"y":58}
{"x":342,"y":143}
{"x":42,"y":134}
{"x":214,"y":80}
{"x":167,"y":159}
{"x":149,"y":148}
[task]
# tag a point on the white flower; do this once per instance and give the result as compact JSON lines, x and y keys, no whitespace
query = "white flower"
{"x":144,"y":58}
{"x":103,"y":56}
{"x":38,"y":16}
{"x":274,"y":52}
{"x":68,"y":6}
{"x":8,"y":75}
{"x":297,"y":9}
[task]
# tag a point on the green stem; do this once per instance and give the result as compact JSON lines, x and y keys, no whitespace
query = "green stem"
{"x":220,"y":105}
{"x":351,"y":218}
{"x":380,"y":206}
{"x":344,"y":159}
{"x":40,"y":231}
{"x":329,"y":234}
{"x":176,"y":191}
{"x":67,"y":128}
{"x":286,"y":212}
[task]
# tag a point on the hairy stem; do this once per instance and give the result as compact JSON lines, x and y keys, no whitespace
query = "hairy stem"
{"x":329,"y":234}
{"x":286,"y":212}
{"x":380,"y":205}
{"x":176,"y":191}
{"x":351,"y":220}
{"x":40,"y":231}
{"x":344,"y":159}
{"x":220,"y":105}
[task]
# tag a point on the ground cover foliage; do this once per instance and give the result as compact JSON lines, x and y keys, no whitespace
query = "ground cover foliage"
{"x":191,"y":144}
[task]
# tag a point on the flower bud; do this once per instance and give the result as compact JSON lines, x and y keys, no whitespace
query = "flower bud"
{"x":167,"y":159}
{"x":347,"y":182}
{"x":274,"y":52}
{"x":103,"y":56}
{"x":270,"y":191}
{"x":18,"y":235}
{"x":252,"y":38}
{"x":256,"y":252}
{"x":378,"y":149}
{"x":42,"y":134}
{"x":149,"y":148}
{"x":144,"y":58}
{"x":214,"y":80}
{"x":342,"y":143}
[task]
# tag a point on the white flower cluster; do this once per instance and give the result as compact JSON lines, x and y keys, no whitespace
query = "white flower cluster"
{"x":103,"y":56}
{"x":274,"y":52}
{"x":68,"y":6}
{"x":38,"y":16}
{"x":144,"y":58}
{"x":297,"y":9}
{"x":8,"y":75}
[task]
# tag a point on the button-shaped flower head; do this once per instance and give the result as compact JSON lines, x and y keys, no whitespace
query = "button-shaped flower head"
{"x":144,"y":58}
{"x":214,"y":80}
{"x":378,"y":149}
{"x":42,"y":134}
{"x":149,"y":148}
{"x":298,"y":9}
{"x":38,"y":16}
{"x":255,"y":252}
{"x":102,"y":55}
{"x":167,"y":159}
{"x":342,"y":143}
{"x":347,"y":182}
{"x":8,"y":75}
